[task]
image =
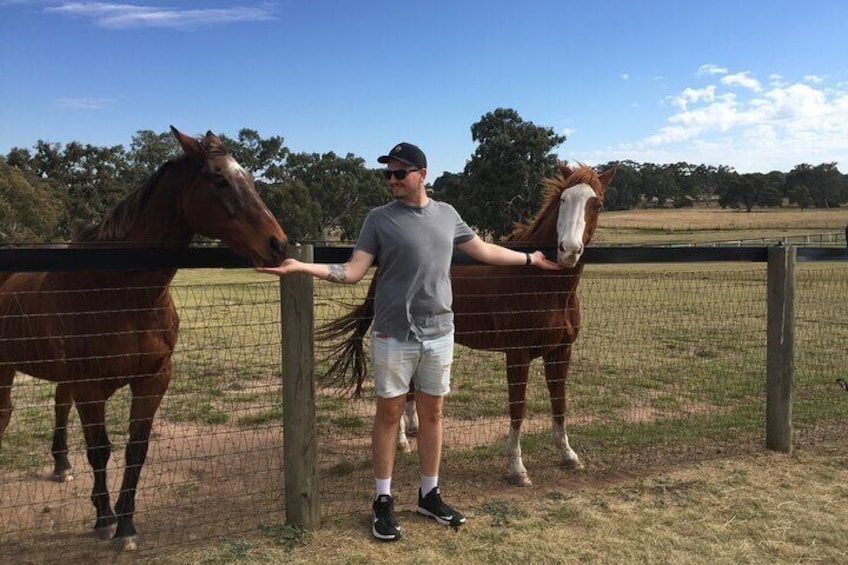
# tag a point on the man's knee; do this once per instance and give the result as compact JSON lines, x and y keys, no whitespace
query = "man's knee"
{"x":430,"y":408}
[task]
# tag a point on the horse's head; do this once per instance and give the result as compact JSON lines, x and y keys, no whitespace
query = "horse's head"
{"x":222,"y":203}
{"x":580,"y":202}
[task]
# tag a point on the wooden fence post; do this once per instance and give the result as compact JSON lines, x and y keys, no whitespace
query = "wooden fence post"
{"x":300,"y":436}
{"x":780,"y":354}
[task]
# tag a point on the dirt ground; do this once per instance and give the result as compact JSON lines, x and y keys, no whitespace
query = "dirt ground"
{"x":199,"y":488}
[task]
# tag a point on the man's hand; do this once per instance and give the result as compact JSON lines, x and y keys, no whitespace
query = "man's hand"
{"x":538,"y":259}
{"x":285,"y":268}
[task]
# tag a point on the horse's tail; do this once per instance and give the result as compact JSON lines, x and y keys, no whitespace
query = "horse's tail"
{"x":348,"y":368}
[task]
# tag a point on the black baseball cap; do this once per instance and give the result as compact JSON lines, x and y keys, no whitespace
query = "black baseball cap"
{"x":406,"y":153}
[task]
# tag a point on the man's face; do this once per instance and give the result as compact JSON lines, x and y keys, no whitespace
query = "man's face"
{"x":409,"y":183}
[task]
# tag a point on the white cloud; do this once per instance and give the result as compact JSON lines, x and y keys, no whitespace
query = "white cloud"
{"x":693,"y":95}
{"x":814,"y":79}
{"x":120,"y":16}
{"x":773,"y":128}
{"x":625,"y":76}
{"x":710,"y":69}
{"x":743,"y":79}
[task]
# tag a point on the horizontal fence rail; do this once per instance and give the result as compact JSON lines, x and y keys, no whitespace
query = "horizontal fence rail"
{"x":77,"y":259}
{"x":671,"y":365}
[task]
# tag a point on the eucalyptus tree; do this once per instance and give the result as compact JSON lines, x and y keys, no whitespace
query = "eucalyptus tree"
{"x":826,"y":185}
{"x":503,"y":176}
{"x":30,"y":207}
{"x":344,"y":189}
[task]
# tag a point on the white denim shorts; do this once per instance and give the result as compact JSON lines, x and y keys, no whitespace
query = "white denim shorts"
{"x":426,"y":364}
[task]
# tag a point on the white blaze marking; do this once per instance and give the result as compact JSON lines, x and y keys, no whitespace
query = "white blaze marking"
{"x":571,"y":223}
{"x":234,"y":167}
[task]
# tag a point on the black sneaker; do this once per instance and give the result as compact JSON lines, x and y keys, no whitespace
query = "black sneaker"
{"x":384,"y":525}
{"x":433,"y":506}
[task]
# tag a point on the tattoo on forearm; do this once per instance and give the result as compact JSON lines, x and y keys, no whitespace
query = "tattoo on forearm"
{"x":337,"y":274}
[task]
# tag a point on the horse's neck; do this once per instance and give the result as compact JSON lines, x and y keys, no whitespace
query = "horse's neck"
{"x":152,"y":278}
{"x":543,"y":234}
{"x":151,"y":281}
{"x":160,"y":222}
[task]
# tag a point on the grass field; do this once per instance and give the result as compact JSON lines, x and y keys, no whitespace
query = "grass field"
{"x":666,"y":408}
{"x":700,"y":225}
{"x":759,"y":509}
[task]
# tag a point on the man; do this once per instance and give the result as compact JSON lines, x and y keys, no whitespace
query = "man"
{"x":412,"y":341}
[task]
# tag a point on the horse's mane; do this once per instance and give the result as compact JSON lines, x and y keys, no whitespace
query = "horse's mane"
{"x":553,"y":187}
{"x":121,"y":218}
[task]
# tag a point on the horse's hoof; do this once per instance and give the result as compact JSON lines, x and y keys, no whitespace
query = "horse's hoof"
{"x":129,"y":543}
{"x":520,"y":480}
{"x":64,"y":476}
{"x":572,"y":464}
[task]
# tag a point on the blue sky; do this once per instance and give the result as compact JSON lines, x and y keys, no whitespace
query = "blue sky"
{"x":754,"y":85}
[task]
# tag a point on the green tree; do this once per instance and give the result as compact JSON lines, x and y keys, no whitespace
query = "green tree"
{"x":19,"y":158}
{"x":343,"y":187}
{"x":769,"y":189}
{"x":262,"y":157}
{"x":659,"y":184}
{"x":504,"y":174}
{"x":30,"y":207}
{"x":95,"y":178}
{"x":705,"y":182}
{"x":149,"y":151}
{"x":825,"y":183}
{"x":625,"y":190}
{"x":752,"y":189}
{"x":733,"y":192}
{"x":452,"y":188}
{"x":294,"y":207}
{"x":799,"y":194}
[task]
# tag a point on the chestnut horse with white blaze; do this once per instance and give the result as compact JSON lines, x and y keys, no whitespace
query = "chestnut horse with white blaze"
{"x":523,"y":312}
{"x":95,"y":331}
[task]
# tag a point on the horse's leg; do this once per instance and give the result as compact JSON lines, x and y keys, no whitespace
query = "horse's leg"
{"x":410,"y":414}
{"x":62,"y":469}
{"x":7,"y":375}
{"x":517,"y":369}
{"x":408,"y":423}
{"x":556,"y":371}
{"x":146,"y":397}
{"x":91,"y":407}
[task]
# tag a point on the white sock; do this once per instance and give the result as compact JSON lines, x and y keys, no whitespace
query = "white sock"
{"x":384,"y":486}
{"x":428,"y":484}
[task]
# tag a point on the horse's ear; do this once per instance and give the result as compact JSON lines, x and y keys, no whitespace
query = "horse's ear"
{"x":190,"y":145}
{"x":564,"y":169}
{"x":213,"y":141}
{"x":607,"y":175}
{"x":605,"y":179}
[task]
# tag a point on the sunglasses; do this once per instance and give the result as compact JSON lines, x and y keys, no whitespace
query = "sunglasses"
{"x":399,"y":174}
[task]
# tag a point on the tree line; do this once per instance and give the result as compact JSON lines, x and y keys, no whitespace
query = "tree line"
{"x":45,"y":190}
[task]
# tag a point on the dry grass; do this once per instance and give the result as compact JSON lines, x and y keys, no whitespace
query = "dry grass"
{"x":715,"y":224}
{"x":768,"y":508}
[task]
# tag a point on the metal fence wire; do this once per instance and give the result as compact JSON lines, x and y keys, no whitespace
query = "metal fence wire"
{"x":669,"y":368}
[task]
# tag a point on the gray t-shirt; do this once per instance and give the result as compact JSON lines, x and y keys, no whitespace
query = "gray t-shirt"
{"x":414,"y":247}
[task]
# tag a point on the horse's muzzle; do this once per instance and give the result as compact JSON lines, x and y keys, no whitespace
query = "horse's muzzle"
{"x":277,"y":248}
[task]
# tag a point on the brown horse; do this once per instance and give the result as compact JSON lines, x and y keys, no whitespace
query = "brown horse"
{"x":93,"y":332}
{"x":523,"y":312}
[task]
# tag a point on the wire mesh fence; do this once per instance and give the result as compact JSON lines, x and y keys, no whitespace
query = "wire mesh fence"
{"x":669,"y":367}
